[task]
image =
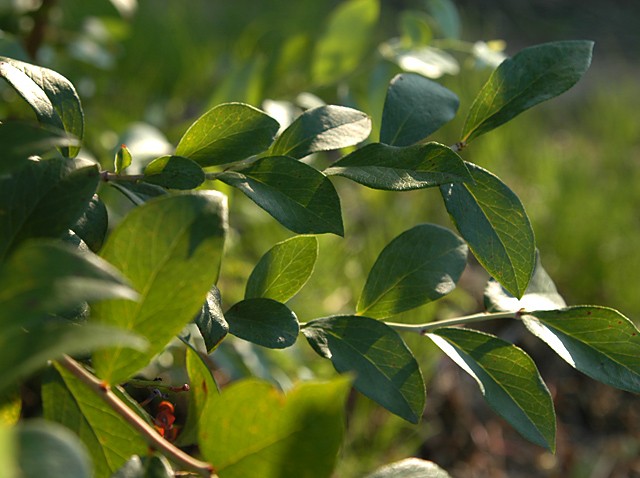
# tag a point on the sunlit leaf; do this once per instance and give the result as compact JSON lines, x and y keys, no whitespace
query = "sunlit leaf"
{"x":410,"y":468}
{"x":491,"y":218}
{"x":417,"y":267}
{"x":323,"y":128}
{"x":122,"y":160}
{"x":227,"y":133}
{"x":384,"y":367}
{"x":508,"y":379}
{"x":414,"y":108}
{"x":284,"y":269}
{"x":170,"y":250}
{"x":174,"y":172}
{"x":380,"y":166}
{"x":298,"y":196}
{"x":297,"y":434}
{"x":533,"y":75}
{"x":600,"y":342}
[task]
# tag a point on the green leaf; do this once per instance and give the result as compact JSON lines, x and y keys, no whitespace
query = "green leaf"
{"x":385,"y":369}
{"x":138,"y":193}
{"x":345,"y":41}
{"x":415,"y":28}
{"x":174,"y":172}
{"x":23,"y":352}
{"x":532,"y":76}
{"x":110,"y":440}
{"x":21,"y":140}
{"x":45,"y":277}
{"x":228,"y":133}
{"x":492,"y":220}
{"x":294,"y":435}
{"x":211,"y":321}
{"x":298,"y":196}
{"x":445,"y":16}
{"x":508,"y":379}
{"x":322,"y":129}
{"x":170,"y":249}
{"x":264,"y":322}
{"x":414,"y":108}
{"x":392,"y":168}
{"x":44,"y":199}
{"x":50,"y":95}
{"x":122,"y":160}
{"x":284,"y":269}
{"x":600,"y":342}
{"x":51,"y":450}
{"x":410,"y":468}
{"x":417,"y":267}
{"x":93,"y":225}
{"x":9,"y":452}
{"x":202,"y":384}
{"x":541,"y":294}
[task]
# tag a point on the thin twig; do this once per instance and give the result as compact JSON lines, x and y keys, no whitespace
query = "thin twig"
{"x":422,"y":329}
{"x":152,"y":437}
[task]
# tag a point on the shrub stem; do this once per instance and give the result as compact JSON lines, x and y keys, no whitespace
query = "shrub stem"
{"x":423,"y":329}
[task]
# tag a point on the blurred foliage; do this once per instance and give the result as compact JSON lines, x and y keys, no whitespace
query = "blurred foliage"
{"x":145,"y":69}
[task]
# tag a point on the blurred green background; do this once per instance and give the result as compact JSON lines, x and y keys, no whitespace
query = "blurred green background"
{"x":146,"y":69}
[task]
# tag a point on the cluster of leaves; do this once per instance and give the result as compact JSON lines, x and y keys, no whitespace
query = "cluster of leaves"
{"x":116,"y":299}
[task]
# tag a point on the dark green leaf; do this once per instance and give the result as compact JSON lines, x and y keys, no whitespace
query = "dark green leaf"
{"x":345,"y":40}
{"x":45,"y":277}
{"x":21,"y":140}
{"x":600,"y":342}
{"x":322,"y":129}
{"x":44,"y":199}
{"x":51,"y":450}
{"x":532,"y":76}
{"x":122,"y":160}
{"x":508,"y":379}
{"x":170,"y":249}
{"x":51,"y":95}
{"x":445,"y":16}
{"x":298,"y":196}
{"x":410,"y":468}
{"x":174,"y":172}
{"x":92,"y":226}
{"x":297,"y":435}
{"x":492,"y":220}
{"x":227,"y":133}
{"x":111,"y":441}
{"x":138,"y":193}
{"x":385,"y":368}
{"x":417,"y":267}
{"x":23,"y":352}
{"x":540,"y":295}
{"x":211,"y":321}
{"x":284,"y":269}
{"x":264,"y":322}
{"x":414,"y":108}
{"x":393,"y":168}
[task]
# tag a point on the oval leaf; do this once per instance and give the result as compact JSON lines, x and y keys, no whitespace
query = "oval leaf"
{"x":227,"y":133}
{"x":298,"y":196}
{"x":264,"y":322}
{"x":386,"y":370}
{"x":174,"y":172}
{"x":600,"y":342}
{"x":494,"y":223}
{"x":284,"y":269}
{"x":345,"y":40}
{"x":110,"y":440}
{"x":532,"y":76}
{"x":170,"y":249}
{"x":414,"y":108}
{"x":44,"y":199}
{"x":323,"y":128}
{"x":211,"y":321}
{"x":51,"y":95}
{"x":410,"y":468}
{"x":508,"y":379}
{"x":417,"y":267}
{"x":541,"y":294}
{"x":391,"y":168}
